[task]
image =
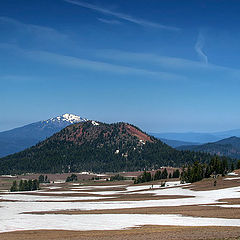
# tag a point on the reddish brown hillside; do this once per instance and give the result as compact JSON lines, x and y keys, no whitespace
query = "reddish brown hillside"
{"x":88,"y":132}
{"x":137,"y":133}
{"x":97,"y":147}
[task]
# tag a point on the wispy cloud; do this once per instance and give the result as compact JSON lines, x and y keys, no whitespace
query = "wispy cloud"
{"x":199,"y":48}
{"x":21,"y":79}
{"x":107,"y":21}
{"x":123,"y":16}
{"x":81,"y":63}
{"x":189,"y":68}
{"x":172,"y":63}
{"x":36,"y":31}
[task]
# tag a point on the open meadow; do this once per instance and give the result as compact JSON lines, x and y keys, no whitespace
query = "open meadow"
{"x":82,"y":210}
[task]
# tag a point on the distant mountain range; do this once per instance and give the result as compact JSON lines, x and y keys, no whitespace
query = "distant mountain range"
{"x":98,"y":147}
{"x":18,"y":139}
{"x":227,"y":147}
{"x":198,"y":138}
{"x":173,"y":143}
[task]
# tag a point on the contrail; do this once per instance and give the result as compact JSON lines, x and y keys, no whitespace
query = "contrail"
{"x":122,"y":16}
{"x":199,"y":48}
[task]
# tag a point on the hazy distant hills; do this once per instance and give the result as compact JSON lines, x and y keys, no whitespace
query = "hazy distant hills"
{"x":227,"y":147}
{"x":98,"y":147}
{"x":18,"y":139}
{"x":173,"y":143}
{"x":194,"y":137}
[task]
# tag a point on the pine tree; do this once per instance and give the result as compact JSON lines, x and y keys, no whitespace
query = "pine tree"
{"x":25,"y":185}
{"x":238,"y":164}
{"x":46,"y":179}
{"x":232,"y":167}
{"x":176,"y":174}
{"x":30,"y":185}
{"x":14,"y":187}
{"x":21,"y":185}
{"x":41,"y":179}
{"x":158,"y":175}
{"x":35,"y":185}
{"x":164,"y":174}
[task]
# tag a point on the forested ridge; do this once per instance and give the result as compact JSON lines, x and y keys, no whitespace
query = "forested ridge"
{"x":99,"y":148}
{"x":229,"y":147}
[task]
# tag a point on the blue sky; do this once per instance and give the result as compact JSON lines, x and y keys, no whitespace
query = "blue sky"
{"x":163,"y":65}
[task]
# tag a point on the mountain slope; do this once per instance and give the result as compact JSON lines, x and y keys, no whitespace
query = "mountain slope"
{"x":98,"y":147}
{"x":227,"y":147}
{"x":21,"y":138}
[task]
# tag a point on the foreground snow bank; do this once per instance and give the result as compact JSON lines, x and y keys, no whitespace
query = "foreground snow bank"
{"x":107,"y":222}
{"x":11,"y":217}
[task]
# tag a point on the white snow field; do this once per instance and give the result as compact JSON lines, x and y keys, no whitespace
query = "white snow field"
{"x":106,"y":221}
{"x":232,"y":178}
{"x":12,"y":215}
{"x":128,"y":189}
{"x":37,"y":198}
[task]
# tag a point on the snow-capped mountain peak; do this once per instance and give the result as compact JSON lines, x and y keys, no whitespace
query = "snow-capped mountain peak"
{"x":66,"y":118}
{"x":18,"y":139}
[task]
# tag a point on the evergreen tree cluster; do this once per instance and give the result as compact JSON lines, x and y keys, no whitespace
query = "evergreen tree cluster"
{"x":176,"y":174}
{"x":144,"y":177}
{"x":26,"y":185}
{"x":197,"y":171}
{"x":159,"y":175}
{"x":117,"y":177}
{"x":72,"y":178}
{"x":43,"y":179}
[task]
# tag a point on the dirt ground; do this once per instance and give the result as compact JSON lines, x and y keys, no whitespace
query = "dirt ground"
{"x":194,"y":211}
{"x":5,"y":183}
{"x":208,"y":184}
{"x":146,"y":232}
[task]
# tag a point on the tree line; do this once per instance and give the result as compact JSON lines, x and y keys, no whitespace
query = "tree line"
{"x":159,"y":175}
{"x":25,"y":185}
{"x":72,"y":178}
{"x":193,"y":172}
{"x":197,"y":171}
{"x":43,"y":179}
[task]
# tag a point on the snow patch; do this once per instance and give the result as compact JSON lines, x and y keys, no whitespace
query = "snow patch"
{"x":232,"y":174}
{"x":95,"y":123}
{"x":233,"y":178}
{"x":67,"y":117}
